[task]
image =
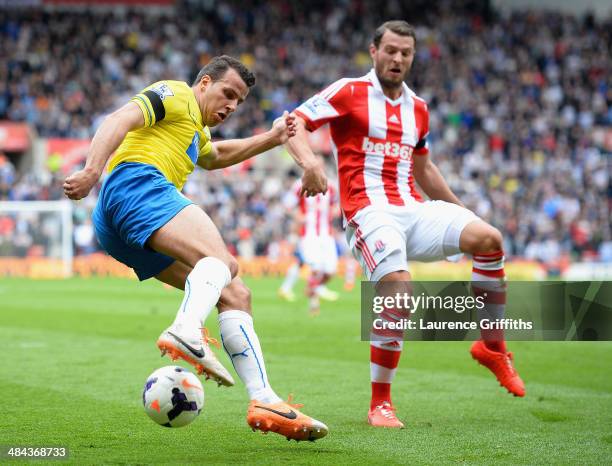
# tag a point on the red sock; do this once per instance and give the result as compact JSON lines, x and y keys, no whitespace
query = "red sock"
{"x":381,"y":392}
{"x":383,"y":364}
{"x":489,"y":283}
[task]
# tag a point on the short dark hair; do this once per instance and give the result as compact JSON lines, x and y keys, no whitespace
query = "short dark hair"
{"x":399,"y":27}
{"x":218,"y":66}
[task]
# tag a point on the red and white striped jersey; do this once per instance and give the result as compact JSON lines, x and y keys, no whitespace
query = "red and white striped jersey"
{"x":373,"y":138}
{"x":316,"y":211}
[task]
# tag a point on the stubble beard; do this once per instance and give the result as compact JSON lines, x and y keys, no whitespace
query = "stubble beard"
{"x":391,"y":84}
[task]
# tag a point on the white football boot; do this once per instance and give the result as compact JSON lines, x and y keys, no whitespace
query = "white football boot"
{"x":196,"y":351}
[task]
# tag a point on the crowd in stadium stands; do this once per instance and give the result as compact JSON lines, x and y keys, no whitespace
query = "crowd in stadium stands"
{"x":516,"y":102}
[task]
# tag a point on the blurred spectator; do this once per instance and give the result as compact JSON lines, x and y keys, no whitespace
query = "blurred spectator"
{"x":7,"y":176}
{"x":514,"y":101}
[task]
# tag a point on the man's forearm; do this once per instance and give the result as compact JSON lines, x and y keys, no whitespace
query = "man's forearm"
{"x":299,"y":148}
{"x":434,"y":185}
{"x":106,"y":141}
{"x":233,"y":151}
{"x":111,"y":133}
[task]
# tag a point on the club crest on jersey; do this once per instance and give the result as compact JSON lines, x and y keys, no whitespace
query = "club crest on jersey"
{"x":392,"y":149}
{"x":162,"y":90}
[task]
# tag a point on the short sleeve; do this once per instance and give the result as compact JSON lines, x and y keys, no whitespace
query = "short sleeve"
{"x":331,"y":103}
{"x":206,"y":146}
{"x":155,"y":102}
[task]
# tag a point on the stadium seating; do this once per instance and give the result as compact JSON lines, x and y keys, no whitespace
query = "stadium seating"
{"x":519,"y":115}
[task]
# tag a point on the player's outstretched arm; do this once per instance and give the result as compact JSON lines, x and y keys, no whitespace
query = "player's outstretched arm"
{"x":431,"y":180}
{"x":314,"y":180}
{"x":233,"y":151}
{"x":110,"y":134}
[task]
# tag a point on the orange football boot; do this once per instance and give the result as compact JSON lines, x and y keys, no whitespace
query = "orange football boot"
{"x":501,"y":365}
{"x":284,"y":419}
{"x":384,"y":416}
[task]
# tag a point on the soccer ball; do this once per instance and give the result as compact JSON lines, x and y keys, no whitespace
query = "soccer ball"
{"x":173,"y":396}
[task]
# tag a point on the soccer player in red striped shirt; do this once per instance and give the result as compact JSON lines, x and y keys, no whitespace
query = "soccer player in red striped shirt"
{"x":317,"y":245}
{"x":379,"y":130}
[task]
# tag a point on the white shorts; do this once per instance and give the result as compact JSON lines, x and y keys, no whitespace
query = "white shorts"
{"x":319,"y":253}
{"x":384,"y":239}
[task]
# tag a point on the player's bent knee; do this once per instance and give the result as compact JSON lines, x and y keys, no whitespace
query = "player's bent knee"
{"x":232,"y":264}
{"x":236,"y":296}
{"x":480,"y":237}
{"x":491,"y":241}
{"x":394,"y":283}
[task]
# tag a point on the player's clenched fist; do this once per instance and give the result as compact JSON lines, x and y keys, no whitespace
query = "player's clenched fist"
{"x":314,"y":180}
{"x":78,"y":185}
{"x":284,"y":127}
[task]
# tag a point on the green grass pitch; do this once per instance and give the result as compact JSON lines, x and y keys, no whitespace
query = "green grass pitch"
{"x":76,"y":354}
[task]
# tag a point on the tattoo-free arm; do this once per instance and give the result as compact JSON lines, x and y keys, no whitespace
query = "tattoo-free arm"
{"x":107,"y":139}
{"x":431,"y":180}
{"x":233,"y":151}
{"x":226,"y":153}
{"x":314,"y":180}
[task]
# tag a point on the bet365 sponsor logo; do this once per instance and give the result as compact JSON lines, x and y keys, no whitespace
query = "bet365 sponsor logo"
{"x":392,"y":149}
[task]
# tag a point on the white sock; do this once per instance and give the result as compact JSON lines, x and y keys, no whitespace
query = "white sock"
{"x":242,"y":346}
{"x":292,"y":276}
{"x":202,"y":290}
